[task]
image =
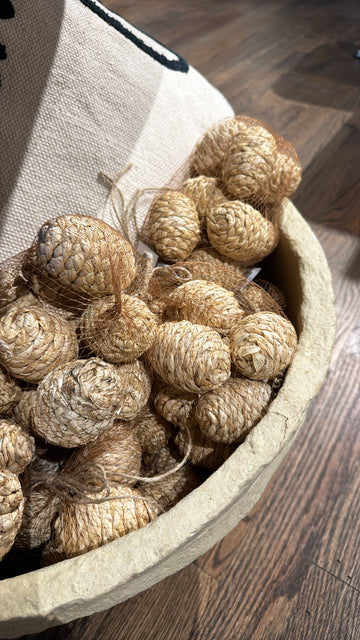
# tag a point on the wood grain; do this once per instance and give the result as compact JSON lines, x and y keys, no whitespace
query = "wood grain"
{"x":291,"y":569}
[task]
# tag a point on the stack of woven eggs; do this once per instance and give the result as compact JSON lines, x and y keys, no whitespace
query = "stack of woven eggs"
{"x":114,"y":373}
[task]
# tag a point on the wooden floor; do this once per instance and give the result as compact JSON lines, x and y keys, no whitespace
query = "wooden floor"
{"x":291,"y":569}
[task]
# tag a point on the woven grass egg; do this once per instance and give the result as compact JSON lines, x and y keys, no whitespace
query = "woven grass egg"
{"x":209,"y":254}
{"x":10,"y":393}
{"x":118,"y":333}
{"x":34,"y":341}
{"x":22,"y":411}
{"x":85,"y":254}
{"x":262,"y":345}
{"x":174,"y":226}
{"x":17,"y":447}
{"x":40,"y":508}
{"x":117,"y":451}
{"x":228,"y":413}
{"x":135,"y":388}
{"x":173,"y":404}
{"x":12,"y":283}
{"x":165,"y":460}
{"x":76,"y":402}
{"x":204,"y":452}
{"x":248,"y":164}
{"x":205,"y":192}
{"x":205,"y":303}
{"x":11,"y":509}
{"x":152,"y":431}
{"x":190,"y":357}
{"x":170,"y":490}
{"x":239,"y":231}
{"x":82,"y":526}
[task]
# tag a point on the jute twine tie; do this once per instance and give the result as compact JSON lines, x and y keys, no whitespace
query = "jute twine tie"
{"x":262,"y":345}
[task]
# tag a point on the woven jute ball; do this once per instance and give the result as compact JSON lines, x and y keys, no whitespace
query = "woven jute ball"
{"x":10,"y":393}
{"x":11,"y":509}
{"x":76,"y":402}
{"x":287,"y":171}
{"x":170,"y":490}
{"x":17,"y":447}
{"x":207,"y":157}
{"x":152,"y":430}
{"x":82,"y":526}
{"x":205,"y":192}
{"x":84,"y":253}
{"x":209,"y":254}
{"x":174,"y":226}
{"x":239,"y":231}
{"x":118,"y":333}
{"x":205,"y":303}
{"x":117,"y":451}
{"x":134,"y":389}
{"x":22,"y":411}
{"x":228,"y":413}
{"x":262,"y":345}
{"x":203,"y":452}
{"x":34,"y":341}
{"x":248,"y":164}
{"x":190,"y":357}
{"x":40,"y":509}
{"x":173,"y":404}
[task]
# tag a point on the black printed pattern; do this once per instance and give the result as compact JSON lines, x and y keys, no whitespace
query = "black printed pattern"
{"x":6,"y":12}
{"x":179,"y":64}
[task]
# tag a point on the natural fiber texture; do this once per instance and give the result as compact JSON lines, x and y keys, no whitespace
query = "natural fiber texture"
{"x":11,"y":509}
{"x":12,"y":283}
{"x":117,"y":451}
{"x":208,"y":155}
{"x":81,"y":527}
{"x":204,"y":303}
{"x":118,"y":333}
{"x":190,"y":357}
{"x":228,"y":413}
{"x":10,"y":393}
{"x":248,"y":164}
{"x":173,"y":404}
{"x":152,"y":430}
{"x":33,"y":341}
{"x":22,"y":411}
{"x":287,"y":171}
{"x":209,"y":254}
{"x":83,"y":252}
{"x":174,"y":226}
{"x":262,"y":345}
{"x":162,"y":461}
{"x":41,"y":507}
{"x":204,"y":452}
{"x":134,"y":389}
{"x":173,"y":488}
{"x":17,"y":447}
{"x":205,"y":192}
{"x":239,"y":231}
{"x":76,"y":402}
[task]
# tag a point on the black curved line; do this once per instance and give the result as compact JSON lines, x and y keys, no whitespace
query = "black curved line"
{"x":176,"y":65}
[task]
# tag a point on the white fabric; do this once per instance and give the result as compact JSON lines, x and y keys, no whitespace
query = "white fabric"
{"x":78,"y":97}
